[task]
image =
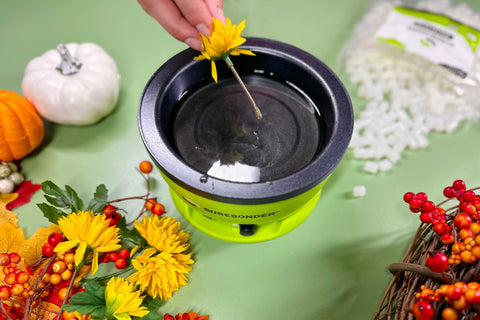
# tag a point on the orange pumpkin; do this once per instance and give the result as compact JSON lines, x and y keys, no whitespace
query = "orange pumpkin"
{"x":21,"y":128}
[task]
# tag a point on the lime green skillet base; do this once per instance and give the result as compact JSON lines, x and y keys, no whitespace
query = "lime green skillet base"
{"x":230,"y":232}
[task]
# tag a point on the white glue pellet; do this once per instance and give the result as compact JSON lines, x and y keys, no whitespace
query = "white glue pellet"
{"x":359,"y":191}
{"x":408,"y":95}
{"x":371,"y":167}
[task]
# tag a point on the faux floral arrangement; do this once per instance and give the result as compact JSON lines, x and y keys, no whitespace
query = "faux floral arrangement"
{"x":439,"y":277}
{"x":55,"y":273}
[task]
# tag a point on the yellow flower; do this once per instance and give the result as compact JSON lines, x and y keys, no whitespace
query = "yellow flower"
{"x":122,"y":301}
{"x":160,"y":274}
{"x":163,"y":234}
{"x":223,"y":41}
{"x":87,"y":231}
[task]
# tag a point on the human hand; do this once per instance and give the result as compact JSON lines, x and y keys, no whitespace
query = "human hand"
{"x":185,"y":19}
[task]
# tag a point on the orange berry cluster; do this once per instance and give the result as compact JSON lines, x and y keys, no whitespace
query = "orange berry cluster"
{"x":460,"y":295}
{"x":60,"y":270}
{"x":57,"y":277}
{"x":468,"y":250}
{"x":17,"y":281}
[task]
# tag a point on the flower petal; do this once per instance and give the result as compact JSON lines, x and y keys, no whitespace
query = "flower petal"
{"x":94,"y":262}
{"x":214,"y":71}
{"x":122,"y":316}
{"x":65,"y":246}
{"x":80,"y":253}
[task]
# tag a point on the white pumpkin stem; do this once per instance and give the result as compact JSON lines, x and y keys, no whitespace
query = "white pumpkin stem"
{"x":69,"y":64}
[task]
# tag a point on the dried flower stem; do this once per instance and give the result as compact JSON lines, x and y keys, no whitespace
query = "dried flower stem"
{"x":69,"y":289}
{"x":142,"y":197}
{"x":258,"y":114}
{"x":412,"y":267}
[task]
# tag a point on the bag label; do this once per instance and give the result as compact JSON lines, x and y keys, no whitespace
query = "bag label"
{"x":435,"y":37}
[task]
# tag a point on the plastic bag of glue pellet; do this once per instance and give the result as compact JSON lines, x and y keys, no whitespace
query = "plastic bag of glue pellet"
{"x":418,"y":66}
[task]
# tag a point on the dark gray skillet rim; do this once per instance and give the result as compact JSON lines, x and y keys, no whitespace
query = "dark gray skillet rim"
{"x":166,"y":159}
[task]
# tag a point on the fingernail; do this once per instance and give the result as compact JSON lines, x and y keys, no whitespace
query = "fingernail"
{"x":203,"y":29}
{"x":221,"y":14}
{"x":194,"y":44}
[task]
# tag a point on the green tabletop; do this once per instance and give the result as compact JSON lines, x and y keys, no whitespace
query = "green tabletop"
{"x":334,"y":266}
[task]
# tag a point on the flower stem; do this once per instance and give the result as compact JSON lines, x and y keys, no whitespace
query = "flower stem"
{"x":68,"y":290}
{"x":258,"y":114}
{"x":107,"y":277}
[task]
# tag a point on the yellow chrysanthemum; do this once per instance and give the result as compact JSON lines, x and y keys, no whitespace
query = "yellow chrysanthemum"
{"x":122,"y":300}
{"x":223,"y":41}
{"x":87,"y":231}
{"x":164,"y":234}
{"x":160,"y":275}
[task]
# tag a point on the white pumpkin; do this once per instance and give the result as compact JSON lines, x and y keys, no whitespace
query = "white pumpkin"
{"x":76,"y":84}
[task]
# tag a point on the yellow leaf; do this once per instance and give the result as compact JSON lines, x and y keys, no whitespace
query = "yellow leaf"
{"x":32,"y":248}
{"x":6,"y":198}
{"x":11,"y":237}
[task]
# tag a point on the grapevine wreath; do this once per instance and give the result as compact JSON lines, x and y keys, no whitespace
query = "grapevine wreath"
{"x":58,"y":271}
{"x":439,"y":276}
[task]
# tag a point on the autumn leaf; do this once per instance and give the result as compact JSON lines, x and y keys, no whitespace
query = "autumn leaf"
{"x":25,"y":192}
{"x":12,"y":238}
{"x":32,"y":248}
{"x":5,"y":214}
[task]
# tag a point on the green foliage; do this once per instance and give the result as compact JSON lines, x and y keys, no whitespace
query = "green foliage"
{"x":99,"y":199}
{"x":92,"y":300}
{"x":152,"y":305}
{"x":51,"y":213}
{"x":130,"y":235}
{"x":61,"y":202}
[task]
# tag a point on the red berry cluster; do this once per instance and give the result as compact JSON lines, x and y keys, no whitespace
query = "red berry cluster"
{"x":52,"y":241}
{"x":430,"y":213}
{"x":120,"y":258}
{"x":460,"y":295}
{"x":469,"y":201}
{"x":155,"y":207}
{"x":111,"y":214}
{"x":17,"y":281}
